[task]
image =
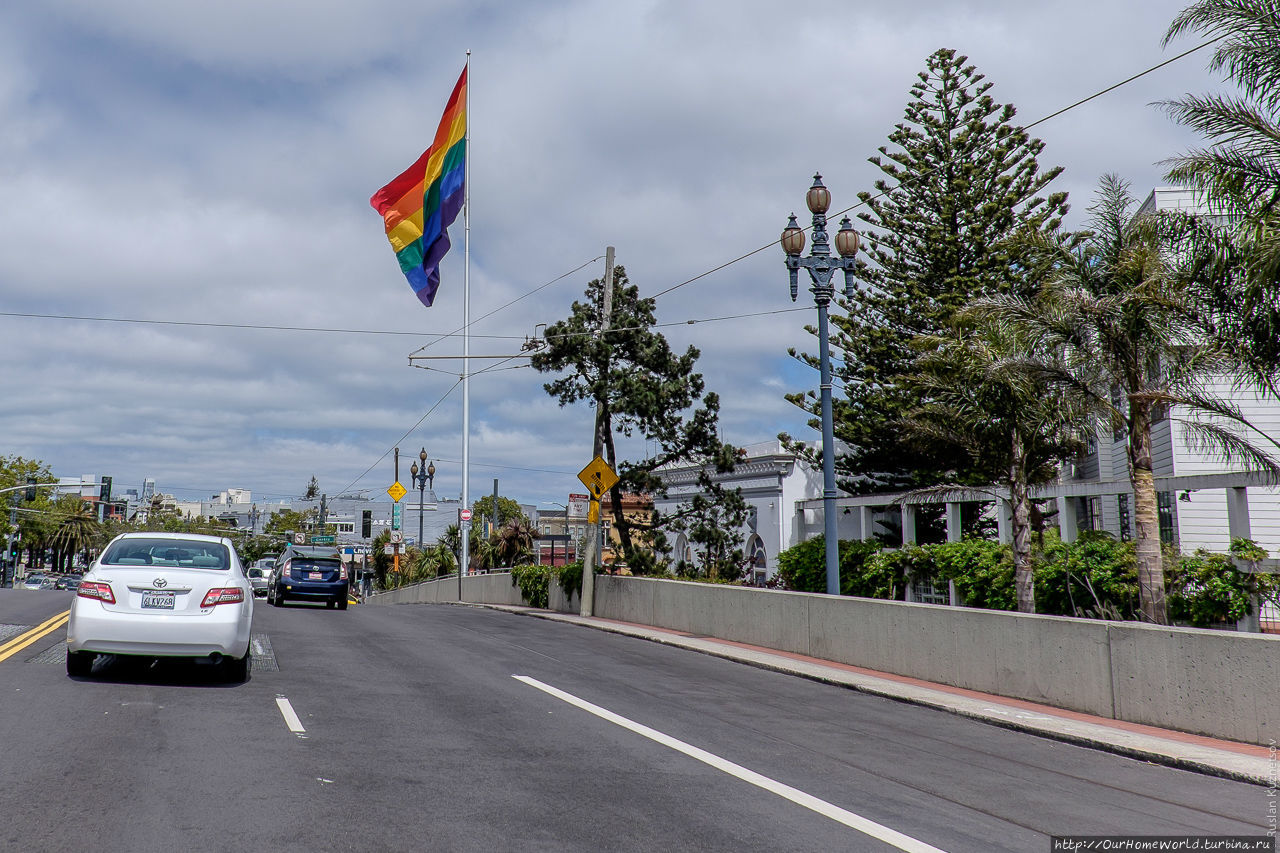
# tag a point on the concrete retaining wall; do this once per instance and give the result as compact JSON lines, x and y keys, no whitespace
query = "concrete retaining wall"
{"x":1216,"y":683}
{"x":495,"y":588}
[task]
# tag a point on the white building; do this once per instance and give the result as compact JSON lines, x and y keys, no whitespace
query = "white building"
{"x":773,"y":482}
{"x":1193,"y":504}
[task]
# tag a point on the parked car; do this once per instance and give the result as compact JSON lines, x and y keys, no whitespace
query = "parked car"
{"x":180,"y":595}
{"x":258,"y":578}
{"x":309,"y":573}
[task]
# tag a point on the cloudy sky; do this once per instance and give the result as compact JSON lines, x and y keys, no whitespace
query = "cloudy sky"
{"x":211,"y":163}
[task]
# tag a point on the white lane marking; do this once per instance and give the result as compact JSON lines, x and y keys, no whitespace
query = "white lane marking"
{"x":257,"y":648}
{"x":822,"y":807}
{"x":290,"y":716}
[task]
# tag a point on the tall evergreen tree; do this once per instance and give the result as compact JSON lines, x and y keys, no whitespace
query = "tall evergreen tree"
{"x":960,"y":180}
{"x":639,"y":387}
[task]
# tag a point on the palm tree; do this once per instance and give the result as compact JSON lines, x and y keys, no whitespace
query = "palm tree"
{"x":78,"y":531}
{"x":988,"y":398}
{"x":514,"y":541}
{"x":1119,"y":315}
{"x":1242,"y":167}
{"x":1239,"y":173}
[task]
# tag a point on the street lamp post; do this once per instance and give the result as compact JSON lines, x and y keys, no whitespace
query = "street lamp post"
{"x":422,"y":477}
{"x":821,"y":266}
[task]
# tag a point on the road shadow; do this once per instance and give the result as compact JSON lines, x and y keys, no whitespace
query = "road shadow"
{"x":162,"y":672}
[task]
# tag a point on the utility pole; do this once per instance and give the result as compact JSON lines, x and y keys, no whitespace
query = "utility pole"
{"x":593,"y":541}
{"x":493,"y":525}
{"x":395,"y":550}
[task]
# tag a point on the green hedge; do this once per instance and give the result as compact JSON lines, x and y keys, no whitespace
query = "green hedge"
{"x":535,"y":582}
{"x":1094,"y":577}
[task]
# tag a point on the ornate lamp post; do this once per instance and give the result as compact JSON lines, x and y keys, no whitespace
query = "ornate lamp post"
{"x":821,"y":266}
{"x":422,"y":478}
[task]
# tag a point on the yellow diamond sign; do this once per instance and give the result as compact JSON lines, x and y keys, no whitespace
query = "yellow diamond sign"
{"x":396,"y":491}
{"x":598,"y":477}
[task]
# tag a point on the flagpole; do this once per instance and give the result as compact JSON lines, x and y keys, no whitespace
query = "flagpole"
{"x":465,"y":527}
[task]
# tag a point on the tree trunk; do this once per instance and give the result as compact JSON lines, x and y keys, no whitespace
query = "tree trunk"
{"x":1023,"y":577}
{"x":1146,"y":517}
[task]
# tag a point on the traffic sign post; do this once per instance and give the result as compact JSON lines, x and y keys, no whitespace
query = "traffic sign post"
{"x":396,"y":491}
{"x":598,"y":477}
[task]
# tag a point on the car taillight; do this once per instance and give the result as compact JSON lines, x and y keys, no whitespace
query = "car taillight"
{"x":342,"y":573}
{"x":227,"y":595}
{"x":96,"y":590}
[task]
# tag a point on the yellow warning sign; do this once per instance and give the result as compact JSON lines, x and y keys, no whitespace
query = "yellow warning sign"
{"x":396,"y":491}
{"x":598,"y":477}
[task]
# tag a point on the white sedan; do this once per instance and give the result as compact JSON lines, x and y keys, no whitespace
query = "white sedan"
{"x":163,"y":595}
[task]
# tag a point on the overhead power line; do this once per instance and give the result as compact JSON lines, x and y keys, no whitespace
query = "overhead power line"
{"x":880,"y":195}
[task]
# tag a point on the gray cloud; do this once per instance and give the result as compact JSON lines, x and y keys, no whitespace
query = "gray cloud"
{"x":213,"y":163}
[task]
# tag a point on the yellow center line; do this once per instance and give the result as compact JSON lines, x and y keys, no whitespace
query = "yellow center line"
{"x":20,"y":642}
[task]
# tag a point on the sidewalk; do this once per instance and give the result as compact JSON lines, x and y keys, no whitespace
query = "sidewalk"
{"x":1228,"y":759}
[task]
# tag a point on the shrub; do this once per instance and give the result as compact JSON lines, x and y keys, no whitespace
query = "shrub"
{"x":571,"y":579}
{"x":1207,"y":589}
{"x":982,"y":571}
{"x":534,"y":583}
{"x":1095,"y":577}
{"x":803,"y":566}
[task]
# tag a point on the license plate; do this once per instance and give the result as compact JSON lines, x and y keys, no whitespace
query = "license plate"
{"x":314,"y":576}
{"x":157,"y":601}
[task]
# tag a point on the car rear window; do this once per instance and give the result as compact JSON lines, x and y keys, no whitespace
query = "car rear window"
{"x":305,"y":563}
{"x":167,"y":552}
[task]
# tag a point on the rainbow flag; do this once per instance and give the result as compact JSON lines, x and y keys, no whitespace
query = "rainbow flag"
{"x":422,"y":202}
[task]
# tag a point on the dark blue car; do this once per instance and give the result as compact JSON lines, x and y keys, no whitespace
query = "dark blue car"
{"x":306,"y":573}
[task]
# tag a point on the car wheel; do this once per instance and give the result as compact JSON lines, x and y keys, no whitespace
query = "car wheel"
{"x":342,"y":603}
{"x":279,"y":599}
{"x":79,"y":664}
{"x":237,"y":669}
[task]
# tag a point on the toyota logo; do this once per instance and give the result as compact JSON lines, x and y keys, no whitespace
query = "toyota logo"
{"x":159,"y":583}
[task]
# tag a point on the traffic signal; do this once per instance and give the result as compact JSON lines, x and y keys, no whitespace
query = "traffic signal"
{"x":31,"y":489}
{"x":366,"y":523}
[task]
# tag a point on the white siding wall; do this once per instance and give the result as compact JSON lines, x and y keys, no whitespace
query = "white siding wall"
{"x":1203,"y":519}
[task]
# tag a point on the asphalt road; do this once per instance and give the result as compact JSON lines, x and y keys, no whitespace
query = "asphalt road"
{"x":466,"y":729}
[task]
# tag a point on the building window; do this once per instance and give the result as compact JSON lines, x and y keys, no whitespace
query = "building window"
{"x":1164,"y":506}
{"x":346,"y":527}
{"x":1118,"y":432}
{"x":759,"y":560}
{"x":1122,"y":505}
{"x":1090,"y":514}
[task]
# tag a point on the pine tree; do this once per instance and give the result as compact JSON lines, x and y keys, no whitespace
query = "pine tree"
{"x":961,"y":182}
{"x":639,"y":387}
